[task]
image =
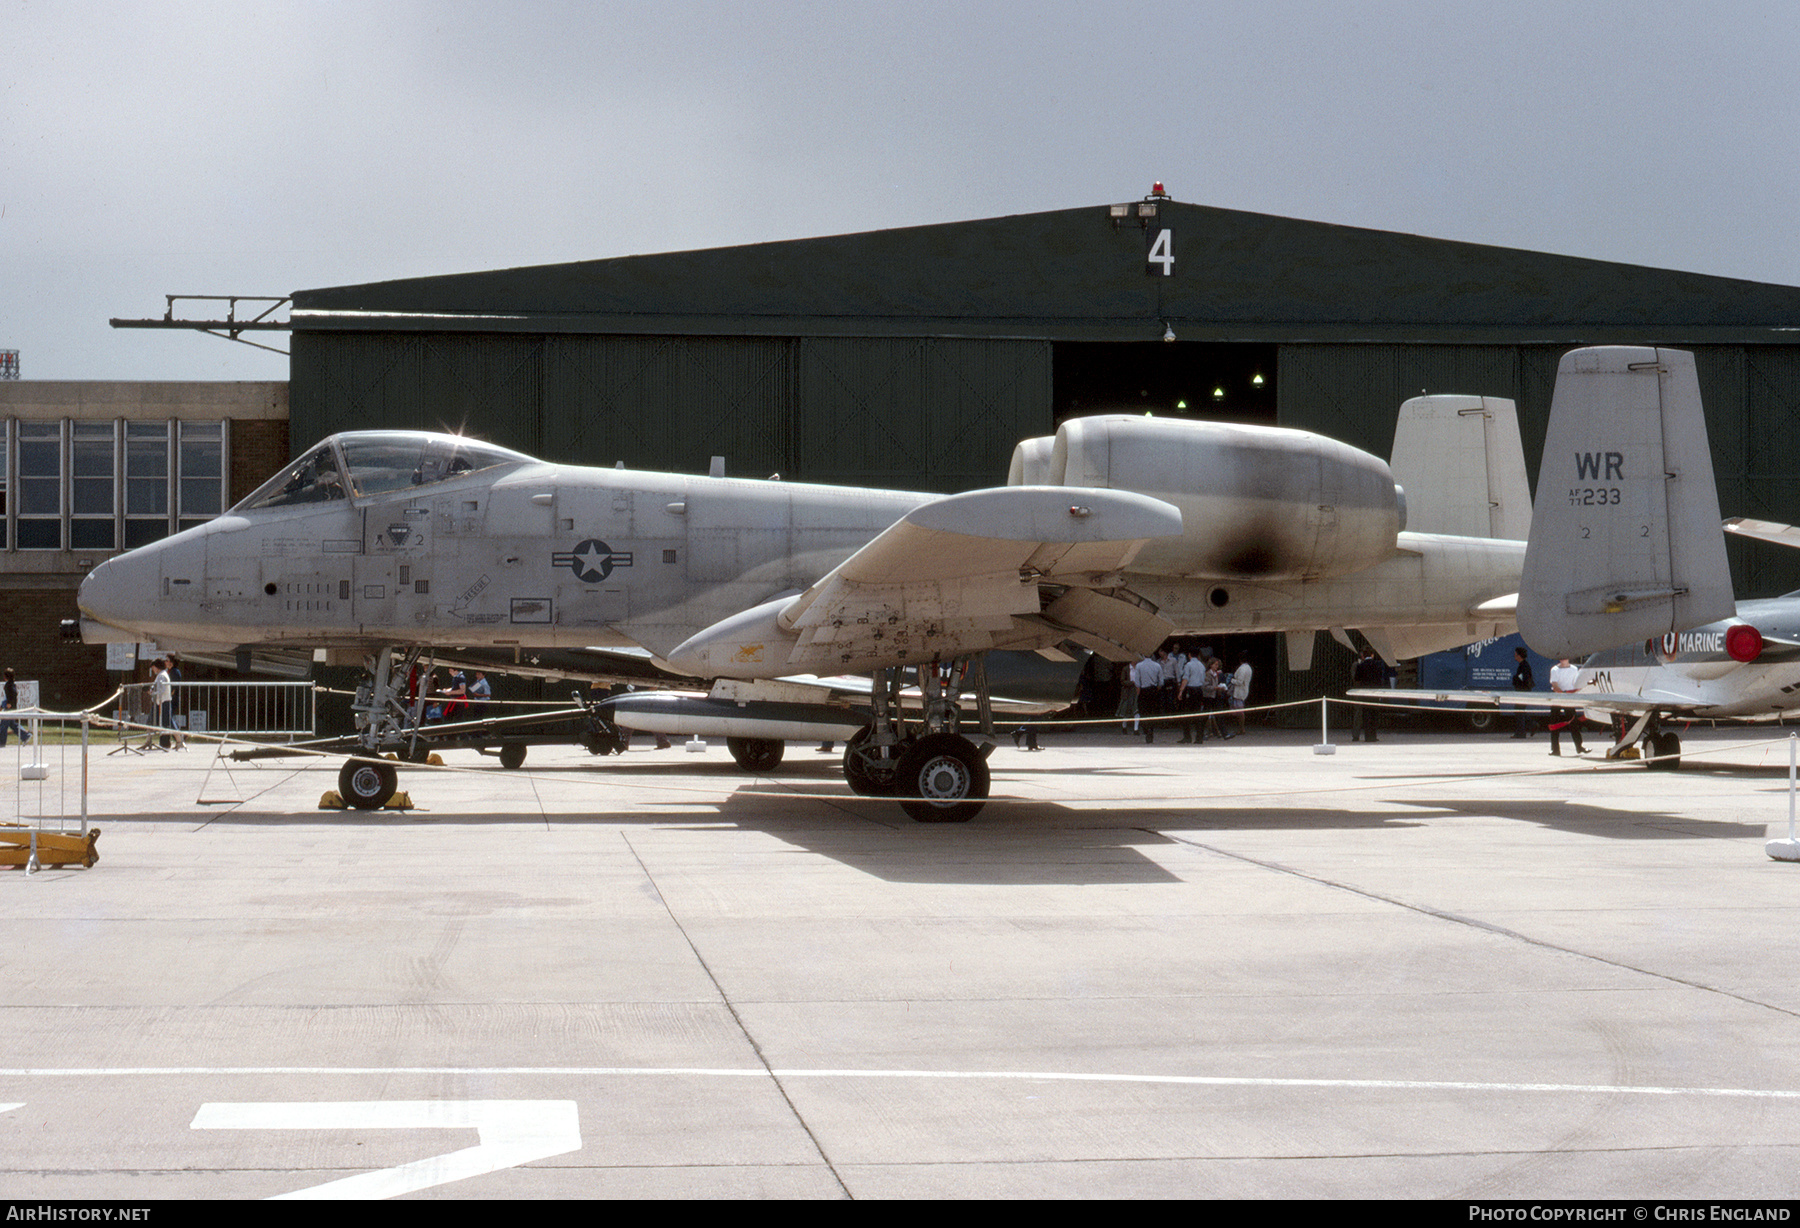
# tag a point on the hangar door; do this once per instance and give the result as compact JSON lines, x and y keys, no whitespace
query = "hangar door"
{"x":1353,"y":392}
{"x":913,"y":413}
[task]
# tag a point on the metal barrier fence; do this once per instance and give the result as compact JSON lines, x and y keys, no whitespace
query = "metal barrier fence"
{"x":44,"y":790}
{"x":284,"y":710}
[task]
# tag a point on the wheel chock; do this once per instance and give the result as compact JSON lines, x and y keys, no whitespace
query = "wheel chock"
{"x":53,"y":848}
{"x":331,"y":801}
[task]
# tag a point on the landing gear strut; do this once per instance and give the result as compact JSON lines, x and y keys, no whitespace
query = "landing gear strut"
{"x":939,"y":775}
{"x":1661,"y":748}
{"x":383,"y":720}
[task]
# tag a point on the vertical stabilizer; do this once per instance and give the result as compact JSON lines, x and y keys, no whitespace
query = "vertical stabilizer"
{"x":1625,"y":539}
{"x":1461,"y":464}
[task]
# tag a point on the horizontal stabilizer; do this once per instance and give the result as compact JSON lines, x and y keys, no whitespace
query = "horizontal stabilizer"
{"x":1601,"y":701}
{"x":1403,"y":643}
{"x":1625,"y":541}
{"x":1764,"y":531}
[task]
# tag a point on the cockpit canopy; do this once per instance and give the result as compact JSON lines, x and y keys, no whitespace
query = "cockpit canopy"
{"x":358,"y":463}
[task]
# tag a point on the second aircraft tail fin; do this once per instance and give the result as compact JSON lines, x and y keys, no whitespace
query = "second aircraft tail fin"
{"x":1459,"y":460}
{"x":1625,"y":538}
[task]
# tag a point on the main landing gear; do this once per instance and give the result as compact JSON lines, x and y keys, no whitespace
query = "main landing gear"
{"x":1661,"y":748}
{"x":383,"y":722}
{"x":938,"y":775}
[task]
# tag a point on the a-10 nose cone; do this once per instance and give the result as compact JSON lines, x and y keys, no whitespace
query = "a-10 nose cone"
{"x":115,"y":594}
{"x":127,"y":598}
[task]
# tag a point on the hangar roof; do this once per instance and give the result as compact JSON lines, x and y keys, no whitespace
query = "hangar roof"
{"x":1073,"y":274}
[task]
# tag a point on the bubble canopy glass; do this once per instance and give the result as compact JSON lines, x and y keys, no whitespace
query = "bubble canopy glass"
{"x":359,"y":463}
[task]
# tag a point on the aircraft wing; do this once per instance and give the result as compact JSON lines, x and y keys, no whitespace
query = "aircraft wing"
{"x":957,"y":575}
{"x":1764,"y":530}
{"x":1608,"y":701}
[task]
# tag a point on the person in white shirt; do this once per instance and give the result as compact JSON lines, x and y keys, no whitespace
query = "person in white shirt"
{"x":1565,"y":679}
{"x":1240,"y":688}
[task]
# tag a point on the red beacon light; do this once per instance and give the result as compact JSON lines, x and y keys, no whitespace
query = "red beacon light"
{"x":1743,"y":642}
{"x":1156,"y":189}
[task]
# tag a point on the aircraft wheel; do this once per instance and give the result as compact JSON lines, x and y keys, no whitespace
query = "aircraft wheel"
{"x":367,"y":784}
{"x":512,"y":755}
{"x":1481,"y":722}
{"x":943,"y":779}
{"x":1665,"y":752}
{"x":416,"y":752}
{"x":756,"y":754}
{"x":867,"y":774}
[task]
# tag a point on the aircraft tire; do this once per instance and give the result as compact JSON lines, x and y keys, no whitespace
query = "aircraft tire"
{"x":756,"y":754}
{"x":863,"y":779}
{"x":1481,"y":722}
{"x":367,"y":784}
{"x":512,"y":755}
{"x":943,"y":779}
{"x":1665,"y":752}
{"x":416,"y":752}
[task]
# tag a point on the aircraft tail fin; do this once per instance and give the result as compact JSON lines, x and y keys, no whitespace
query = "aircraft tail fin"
{"x":1461,"y":464}
{"x":1625,"y":538}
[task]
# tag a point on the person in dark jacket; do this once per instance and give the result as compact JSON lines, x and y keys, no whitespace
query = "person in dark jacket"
{"x":1365,"y":717}
{"x":1524,"y":724}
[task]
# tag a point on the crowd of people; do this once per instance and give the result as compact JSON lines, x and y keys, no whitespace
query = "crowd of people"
{"x":1173,"y":682}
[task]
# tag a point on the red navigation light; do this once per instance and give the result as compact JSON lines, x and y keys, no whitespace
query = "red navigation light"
{"x":1156,"y":189}
{"x":1743,"y":642}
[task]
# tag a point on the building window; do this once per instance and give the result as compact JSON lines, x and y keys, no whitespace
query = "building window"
{"x":40,"y":485}
{"x":82,"y":485}
{"x":146,"y":483}
{"x":202,"y":472}
{"x":93,"y":447}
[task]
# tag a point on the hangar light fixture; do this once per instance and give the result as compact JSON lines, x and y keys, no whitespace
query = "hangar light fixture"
{"x":1219,"y":394}
{"x":1168,"y":331}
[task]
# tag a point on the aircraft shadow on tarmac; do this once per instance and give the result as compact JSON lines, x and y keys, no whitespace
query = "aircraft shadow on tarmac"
{"x":1013,"y":841}
{"x":1612,"y":822}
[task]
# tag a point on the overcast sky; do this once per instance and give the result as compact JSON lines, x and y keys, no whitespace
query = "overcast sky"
{"x":266,"y":147}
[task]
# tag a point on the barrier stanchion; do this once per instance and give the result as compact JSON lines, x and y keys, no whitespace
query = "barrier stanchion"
{"x":1788,"y":849}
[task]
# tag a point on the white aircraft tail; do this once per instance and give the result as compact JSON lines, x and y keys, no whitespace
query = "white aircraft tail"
{"x":1461,"y":464}
{"x":1625,"y":539}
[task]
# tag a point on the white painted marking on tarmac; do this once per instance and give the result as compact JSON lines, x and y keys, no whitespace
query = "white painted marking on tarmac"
{"x":7,"y":1108}
{"x":1051,"y":1076}
{"x":512,"y":1132}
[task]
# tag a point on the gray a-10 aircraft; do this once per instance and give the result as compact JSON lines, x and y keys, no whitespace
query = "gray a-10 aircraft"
{"x":1114,"y":533}
{"x":1627,"y":569}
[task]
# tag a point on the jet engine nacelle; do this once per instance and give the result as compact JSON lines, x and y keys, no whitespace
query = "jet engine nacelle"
{"x":1265,"y":502}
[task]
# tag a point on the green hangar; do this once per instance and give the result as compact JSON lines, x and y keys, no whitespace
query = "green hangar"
{"x":918,"y":357}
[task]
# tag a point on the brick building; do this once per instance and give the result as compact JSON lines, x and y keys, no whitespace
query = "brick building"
{"x":95,"y":467}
